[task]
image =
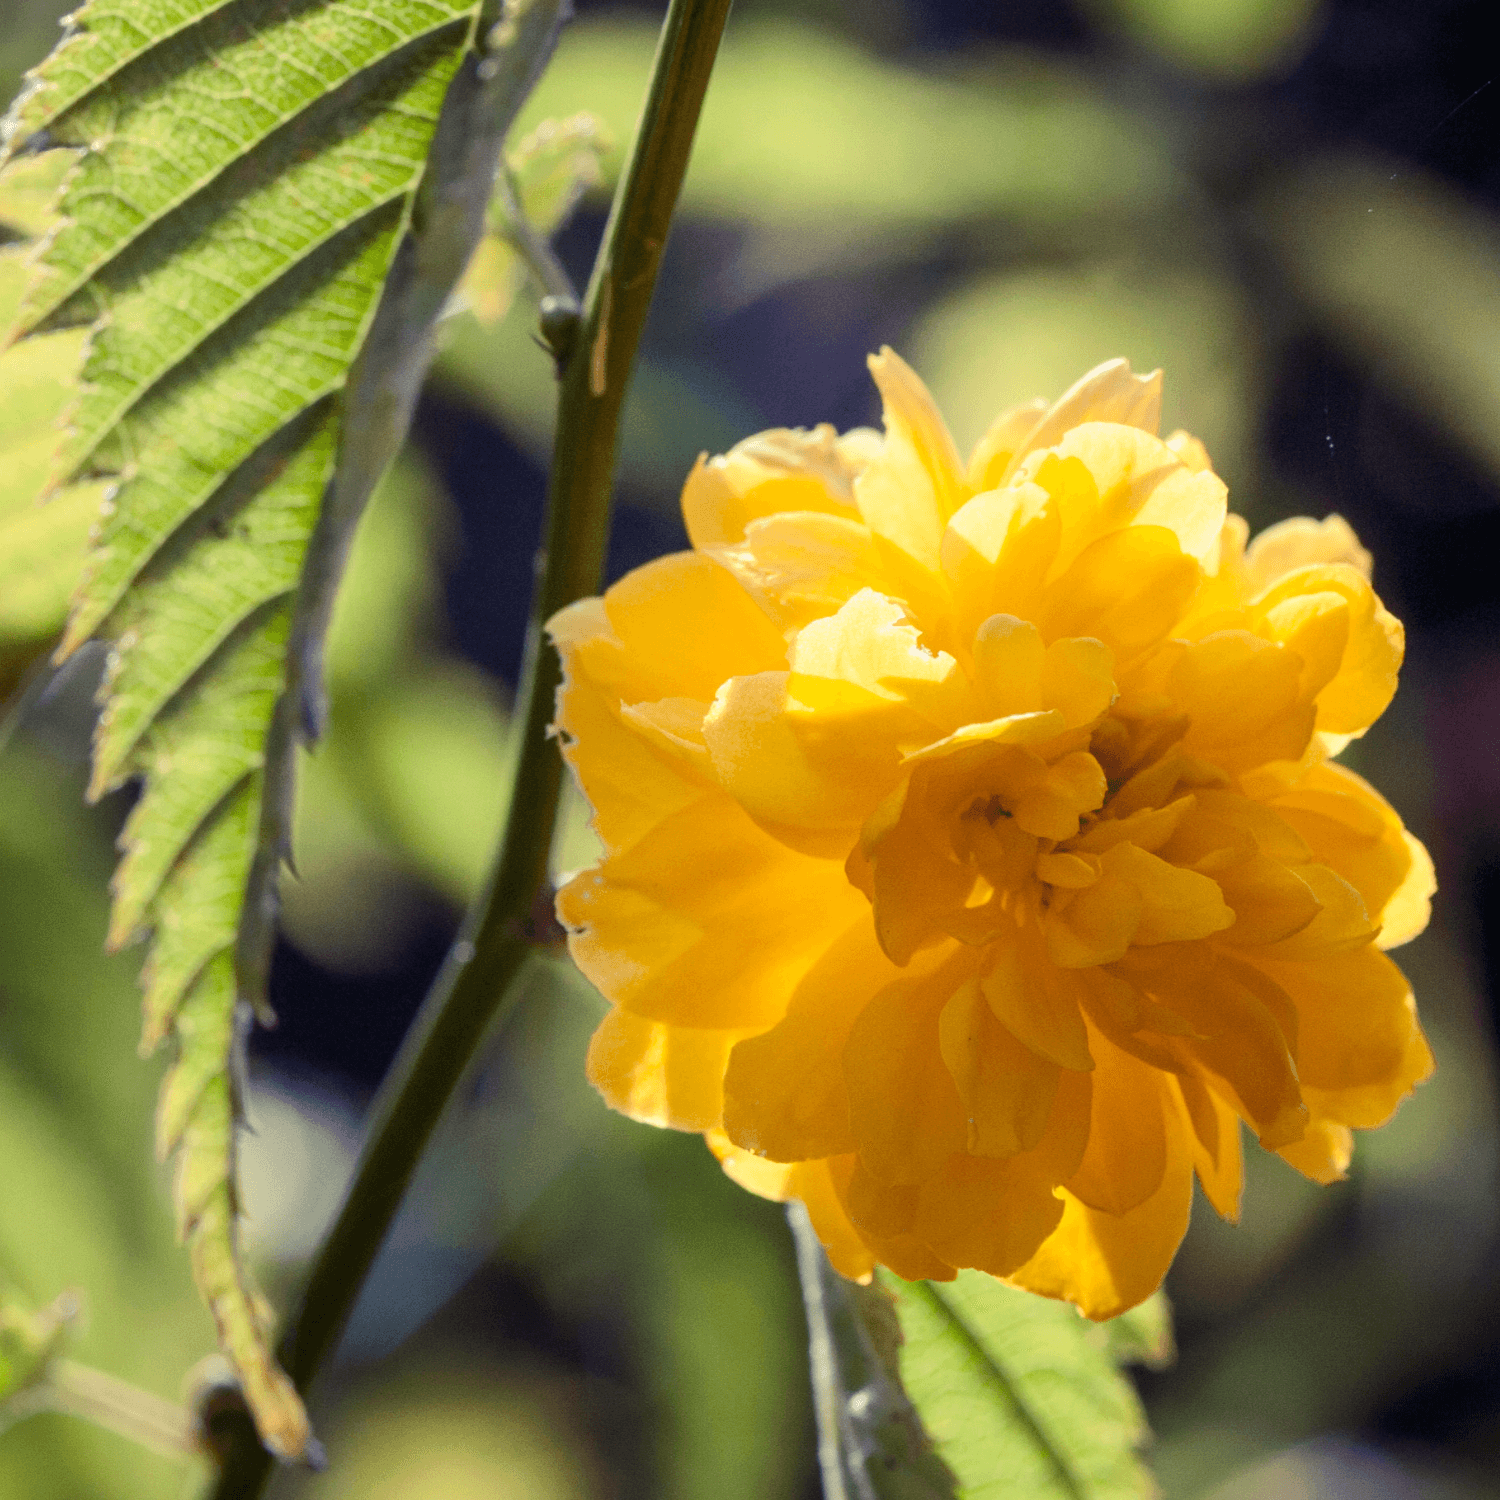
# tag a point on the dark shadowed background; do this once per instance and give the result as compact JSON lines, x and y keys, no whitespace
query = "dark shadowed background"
{"x":1294,"y":208}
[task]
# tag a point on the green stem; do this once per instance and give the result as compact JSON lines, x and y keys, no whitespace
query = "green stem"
{"x":477,"y":981}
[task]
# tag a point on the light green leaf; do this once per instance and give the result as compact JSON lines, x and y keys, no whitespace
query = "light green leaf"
{"x":1021,"y":1394}
{"x":269,"y":208}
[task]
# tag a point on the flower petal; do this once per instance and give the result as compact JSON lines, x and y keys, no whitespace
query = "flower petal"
{"x":1007,"y":1090}
{"x":1036,"y":1001}
{"x":1355,"y":1017}
{"x":703,"y":920}
{"x":908,"y":493}
{"x":987,"y":1214}
{"x":785,"y":1095}
{"x":661,"y":1075}
{"x":1361,"y":688}
{"x":1215,"y":1144}
{"x":773,"y":471}
{"x":1126,"y":1155}
{"x":1108,"y":393}
{"x":903,"y":1104}
{"x":1107,"y":1263}
{"x":1323,"y":1154}
{"x":1301,"y":542}
{"x":682,"y":625}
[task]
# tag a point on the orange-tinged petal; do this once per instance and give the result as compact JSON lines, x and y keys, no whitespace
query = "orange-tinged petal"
{"x":781,"y":470}
{"x":1107,"y":1263}
{"x":1215,"y":1144}
{"x":660,"y":1075}
{"x":908,"y":493}
{"x":820,"y":1186}
{"x":1269,"y":901}
{"x":1341,"y":924}
{"x":1007,"y":1090}
{"x":1324,"y":1153}
{"x":1126,"y":1155}
{"x":1139,"y":899}
{"x":1366,"y":1106}
{"x":785,"y":1095}
{"x":903,"y":1104}
{"x":1246,"y":1033}
{"x":703,"y":920}
{"x":991,"y":1215}
{"x":766,"y":1179}
{"x":1355,"y":1017}
{"x":1036,"y":1001}
{"x":1351,"y":828}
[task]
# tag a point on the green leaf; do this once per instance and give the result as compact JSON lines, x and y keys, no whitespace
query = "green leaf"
{"x":1021,"y":1394}
{"x":269,"y":208}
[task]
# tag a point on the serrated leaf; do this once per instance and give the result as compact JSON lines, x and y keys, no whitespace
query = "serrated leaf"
{"x":1021,"y":1394}
{"x":266,"y":208}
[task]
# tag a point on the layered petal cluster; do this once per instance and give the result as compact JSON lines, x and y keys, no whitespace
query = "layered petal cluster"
{"x":976,"y":859}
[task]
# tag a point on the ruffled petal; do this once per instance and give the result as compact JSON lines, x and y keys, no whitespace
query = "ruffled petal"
{"x":1133,"y":479}
{"x":1301,"y":542}
{"x":1360,"y":688}
{"x":1323,"y":1154}
{"x":662,"y":643}
{"x":661,"y":1075}
{"x":1352,"y":829}
{"x":1355,"y":1017}
{"x":800,"y":566}
{"x":986,"y":1214}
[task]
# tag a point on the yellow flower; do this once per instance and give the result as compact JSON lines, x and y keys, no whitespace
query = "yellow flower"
{"x":975,"y":860}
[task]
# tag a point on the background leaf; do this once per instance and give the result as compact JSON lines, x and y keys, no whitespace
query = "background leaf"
{"x":1022,"y":1395}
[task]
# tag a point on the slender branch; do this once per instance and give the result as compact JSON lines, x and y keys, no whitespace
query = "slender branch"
{"x":871,"y":1444}
{"x":478,"y":978}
